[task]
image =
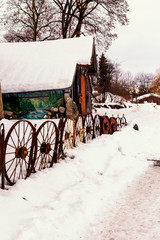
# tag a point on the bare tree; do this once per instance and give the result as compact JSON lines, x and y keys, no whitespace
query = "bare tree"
{"x":144,"y":81}
{"x":155,"y":86}
{"x":29,"y":20}
{"x":2,"y":7}
{"x":2,"y":3}
{"x":97,"y":17}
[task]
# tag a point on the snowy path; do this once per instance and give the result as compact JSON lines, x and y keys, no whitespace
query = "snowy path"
{"x":136,"y":215}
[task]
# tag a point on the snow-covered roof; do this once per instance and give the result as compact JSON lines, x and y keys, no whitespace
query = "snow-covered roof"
{"x":148,"y":95}
{"x":113,"y":98}
{"x":33,"y":66}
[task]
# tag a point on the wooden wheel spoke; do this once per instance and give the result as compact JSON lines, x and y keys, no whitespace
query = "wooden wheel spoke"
{"x":28,"y":139}
{"x":24,"y":133}
{"x":8,"y":153}
{"x":41,"y":135}
{"x":51,"y":135}
{"x":20,"y":169}
{"x":11,"y":146}
{"x":50,"y":155}
{"x":11,"y":160}
{"x":13,"y":141}
{"x":46,"y":137}
{"x":18,"y":143}
{"x":26,"y":164}
{"x":45,"y":161}
{"x":39,"y":141}
{"x":30,"y":147}
{"x":53,"y":141}
{"x":14,"y":170}
{"x":48,"y":160}
{"x":41,"y":161}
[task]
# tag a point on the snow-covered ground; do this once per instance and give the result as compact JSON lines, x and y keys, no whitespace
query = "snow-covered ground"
{"x":104,"y":190}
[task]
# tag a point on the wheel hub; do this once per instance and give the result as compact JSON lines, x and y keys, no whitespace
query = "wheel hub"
{"x":98,"y":128}
{"x":45,"y":148}
{"x":21,"y":152}
{"x":68,"y":135}
{"x":77,"y":132}
{"x":105,"y":126}
{"x":89,"y":129}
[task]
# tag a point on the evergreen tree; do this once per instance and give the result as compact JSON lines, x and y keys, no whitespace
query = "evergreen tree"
{"x":106,"y":72}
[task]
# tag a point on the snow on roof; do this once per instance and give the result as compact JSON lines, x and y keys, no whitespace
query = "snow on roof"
{"x":113,"y":98}
{"x":148,"y":95}
{"x":33,"y":66}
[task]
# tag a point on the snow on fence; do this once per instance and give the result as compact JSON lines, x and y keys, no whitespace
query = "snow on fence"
{"x":26,"y":150}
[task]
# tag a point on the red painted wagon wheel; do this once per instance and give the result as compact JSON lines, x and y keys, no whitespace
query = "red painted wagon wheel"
{"x":113,"y":125}
{"x":47,"y":141}
{"x":97,"y":126}
{"x":67,"y":136}
{"x":20,"y":151}
{"x":105,"y":125}
{"x":79,"y":131}
{"x":88,"y":128}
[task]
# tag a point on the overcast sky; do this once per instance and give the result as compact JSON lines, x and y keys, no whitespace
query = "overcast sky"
{"x":137,"y":48}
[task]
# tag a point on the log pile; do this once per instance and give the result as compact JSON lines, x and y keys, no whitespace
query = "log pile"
{"x":55,"y":112}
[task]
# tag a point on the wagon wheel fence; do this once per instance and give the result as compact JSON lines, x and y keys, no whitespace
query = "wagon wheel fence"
{"x":26,"y":150}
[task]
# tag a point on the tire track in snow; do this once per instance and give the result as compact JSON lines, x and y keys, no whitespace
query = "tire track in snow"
{"x":136,"y":214}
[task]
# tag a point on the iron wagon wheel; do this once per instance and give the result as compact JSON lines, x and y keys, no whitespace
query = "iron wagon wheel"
{"x":123,"y":121}
{"x":20,"y":151}
{"x":2,"y":150}
{"x":118,"y":119}
{"x":47,"y":141}
{"x":97,"y":126}
{"x":79,"y":131}
{"x":67,"y":136}
{"x":2,"y":130}
{"x":60,"y":130}
{"x":105,"y":125}
{"x":113,"y":125}
{"x":88,"y":128}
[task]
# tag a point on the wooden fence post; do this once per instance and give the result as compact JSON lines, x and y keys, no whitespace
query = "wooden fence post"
{"x":1,"y":103}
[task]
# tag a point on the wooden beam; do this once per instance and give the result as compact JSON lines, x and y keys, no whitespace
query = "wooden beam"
{"x":83,"y":97}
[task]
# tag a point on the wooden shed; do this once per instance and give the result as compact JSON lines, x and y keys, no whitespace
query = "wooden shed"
{"x":150,"y":98}
{"x":36,"y":76}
